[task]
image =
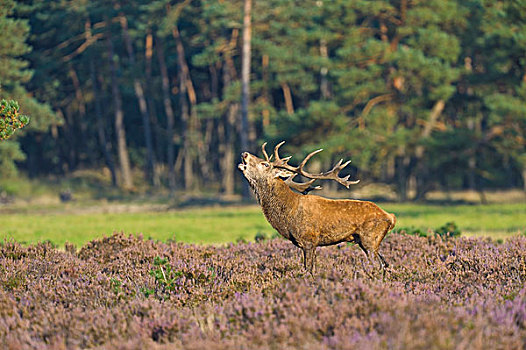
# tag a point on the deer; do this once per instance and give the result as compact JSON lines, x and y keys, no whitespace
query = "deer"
{"x":311,"y":221}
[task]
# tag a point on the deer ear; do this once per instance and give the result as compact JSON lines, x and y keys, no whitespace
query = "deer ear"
{"x":283,"y":173}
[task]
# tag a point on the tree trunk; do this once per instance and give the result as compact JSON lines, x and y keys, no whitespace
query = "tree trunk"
{"x":412,"y":183}
{"x":122,"y":149}
{"x":139,"y":93}
{"x":324,"y":83}
{"x":155,"y":130}
{"x":227,"y":160}
{"x":69,"y":131}
{"x":82,"y":145}
{"x":430,"y":123}
{"x":265,"y":94}
{"x":214,"y":80}
{"x":195,"y":137}
{"x":289,"y":105}
{"x":228,"y":121}
{"x":472,"y":160}
{"x":472,"y":172}
{"x":170,"y":117}
{"x":207,"y":147}
{"x":187,"y":144}
{"x":390,"y":168}
{"x":108,"y":158}
{"x":422,"y":173}
{"x":402,"y":173}
{"x":245,"y":83}
{"x":185,"y":84}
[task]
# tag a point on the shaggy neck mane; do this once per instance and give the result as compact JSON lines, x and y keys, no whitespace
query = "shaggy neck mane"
{"x":277,"y":200}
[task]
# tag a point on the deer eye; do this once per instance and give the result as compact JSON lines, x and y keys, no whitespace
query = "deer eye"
{"x":266,"y":164}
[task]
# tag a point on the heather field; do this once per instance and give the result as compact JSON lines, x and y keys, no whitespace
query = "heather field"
{"x":125,"y":292}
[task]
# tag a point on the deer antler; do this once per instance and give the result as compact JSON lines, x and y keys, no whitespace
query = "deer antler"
{"x":329,"y":175}
{"x":265,"y":152}
{"x":302,"y":187}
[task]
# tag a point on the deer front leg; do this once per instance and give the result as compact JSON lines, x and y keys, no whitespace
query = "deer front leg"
{"x":309,"y":258}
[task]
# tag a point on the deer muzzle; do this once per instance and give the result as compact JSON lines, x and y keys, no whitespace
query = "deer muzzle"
{"x":244,"y":158}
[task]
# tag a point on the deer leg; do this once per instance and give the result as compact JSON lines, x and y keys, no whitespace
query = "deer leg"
{"x":369,"y":242}
{"x":379,"y":233}
{"x":372,"y":235}
{"x":357,"y":239}
{"x":360,"y":244}
{"x":309,"y":258}
{"x":383,"y":263}
{"x":383,"y":260}
{"x":313,"y":261}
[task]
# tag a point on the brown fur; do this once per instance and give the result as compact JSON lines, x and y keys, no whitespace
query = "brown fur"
{"x":310,"y":221}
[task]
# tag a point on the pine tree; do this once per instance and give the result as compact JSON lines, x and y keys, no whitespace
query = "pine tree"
{"x":13,"y":77}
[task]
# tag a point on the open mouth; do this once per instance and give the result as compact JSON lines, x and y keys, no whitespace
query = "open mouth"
{"x":242,"y":166}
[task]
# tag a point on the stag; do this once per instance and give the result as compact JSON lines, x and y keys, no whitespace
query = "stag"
{"x":311,"y":221}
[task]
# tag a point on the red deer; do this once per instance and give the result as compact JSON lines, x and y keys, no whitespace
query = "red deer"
{"x":311,"y":221}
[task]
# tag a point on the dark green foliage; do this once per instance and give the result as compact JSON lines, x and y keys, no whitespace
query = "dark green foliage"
{"x":241,"y":240}
{"x":116,"y":285}
{"x":9,"y":152}
{"x":420,"y":95}
{"x":164,"y":276}
{"x":450,"y":229}
{"x":14,"y":76}
{"x":447,"y":230}
{"x":410,"y":231}
{"x":260,"y":237}
{"x":10,"y":118}
{"x":169,"y":281}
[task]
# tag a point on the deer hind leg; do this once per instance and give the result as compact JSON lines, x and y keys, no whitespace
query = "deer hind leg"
{"x":309,"y":258}
{"x":356,"y":239}
{"x":383,"y":228}
{"x":383,"y":263}
{"x":374,"y":232}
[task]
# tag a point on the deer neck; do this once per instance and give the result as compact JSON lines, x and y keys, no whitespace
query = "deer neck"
{"x":278,"y":201}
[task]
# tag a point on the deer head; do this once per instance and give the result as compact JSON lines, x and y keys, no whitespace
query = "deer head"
{"x":262,"y":172}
